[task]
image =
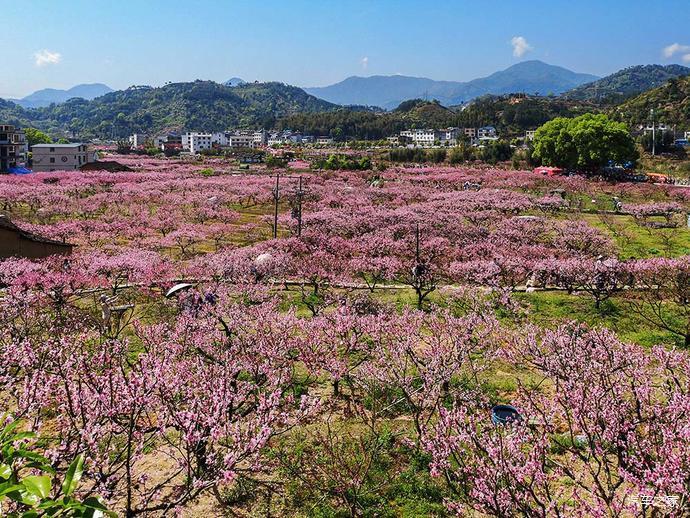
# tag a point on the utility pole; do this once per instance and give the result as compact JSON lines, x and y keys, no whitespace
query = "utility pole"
{"x":297,"y":212}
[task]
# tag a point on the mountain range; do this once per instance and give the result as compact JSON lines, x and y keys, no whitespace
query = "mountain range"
{"x":529,"y":77}
{"x":209,"y":106}
{"x":48,"y":96}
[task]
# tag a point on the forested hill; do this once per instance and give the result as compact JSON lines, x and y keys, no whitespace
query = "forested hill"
{"x":209,"y":106}
{"x":671,"y":103}
{"x":626,"y":83}
{"x":511,"y":114}
{"x":200,"y":105}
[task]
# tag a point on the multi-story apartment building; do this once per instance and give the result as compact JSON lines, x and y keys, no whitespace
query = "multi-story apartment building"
{"x":449,"y":135}
{"x":60,"y":157}
{"x":241,"y":139}
{"x":421,"y":137}
{"x":12,"y":147}
{"x":197,"y":142}
{"x":470,"y":132}
{"x":171,"y":141}
{"x":260,"y":138}
{"x":487,"y":133}
{"x":284,"y":137}
{"x":220,"y":139}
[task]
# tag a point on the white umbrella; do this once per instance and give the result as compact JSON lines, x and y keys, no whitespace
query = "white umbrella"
{"x":263,"y":259}
{"x":178,"y":288}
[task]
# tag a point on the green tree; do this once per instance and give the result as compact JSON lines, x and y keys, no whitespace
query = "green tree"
{"x":588,"y":142}
{"x":34,"y":136}
{"x":497,"y":151}
{"x":663,"y":139}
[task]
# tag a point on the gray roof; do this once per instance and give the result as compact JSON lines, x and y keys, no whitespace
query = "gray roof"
{"x":6,"y":224}
{"x":76,"y":144}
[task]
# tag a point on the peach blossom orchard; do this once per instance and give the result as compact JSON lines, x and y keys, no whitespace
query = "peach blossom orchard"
{"x":391,"y":314}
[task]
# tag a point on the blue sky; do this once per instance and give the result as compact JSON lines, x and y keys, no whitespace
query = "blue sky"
{"x":58,"y":44}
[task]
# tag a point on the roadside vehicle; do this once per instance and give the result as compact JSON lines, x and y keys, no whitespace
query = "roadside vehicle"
{"x":549,"y":171}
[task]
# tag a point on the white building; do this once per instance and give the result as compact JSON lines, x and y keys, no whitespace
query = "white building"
{"x":529,"y":134}
{"x":241,"y":140}
{"x":687,"y":135}
{"x":421,"y":137}
{"x":138,"y":140}
{"x":219,"y":138}
{"x":487,"y":133}
{"x":61,"y":157}
{"x":260,"y":138}
{"x":197,"y":142}
{"x":657,"y":127}
{"x":285,"y":137}
{"x":274,"y":139}
{"x":324,"y":140}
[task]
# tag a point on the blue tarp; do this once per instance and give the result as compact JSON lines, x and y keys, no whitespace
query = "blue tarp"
{"x":19,"y":170}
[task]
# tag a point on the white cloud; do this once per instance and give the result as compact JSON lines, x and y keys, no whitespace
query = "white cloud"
{"x":364,"y":62}
{"x":520,"y":46}
{"x":686,"y":58}
{"x":676,"y":48}
{"x":47,"y":57}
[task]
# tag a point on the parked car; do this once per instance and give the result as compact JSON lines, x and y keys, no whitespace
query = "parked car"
{"x":549,"y":171}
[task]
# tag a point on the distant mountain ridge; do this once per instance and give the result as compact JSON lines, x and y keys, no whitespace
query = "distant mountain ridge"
{"x":48,"y":96}
{"x":626,"y":83}
{"x":389,"y":91}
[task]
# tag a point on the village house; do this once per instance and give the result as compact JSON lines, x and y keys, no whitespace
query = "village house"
{"x":241,"y":140}
{"x":168,"y":142}
{"x":487,"y":133}
{"x":471,"y":133}
{"x":420,"y":137}
{"x":138,"y":140}
{"x":15,"y":242}
{"x":12,"y":147}
{"x":61,"y":157}
{"x":260,"y":138}
{"x":196,"y":142}
{"x":449,"y":135}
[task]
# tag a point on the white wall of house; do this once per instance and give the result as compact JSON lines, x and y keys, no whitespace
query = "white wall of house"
{"x":138,"y":140}
{"x":196,"y":142}
{"x":60,"y":157}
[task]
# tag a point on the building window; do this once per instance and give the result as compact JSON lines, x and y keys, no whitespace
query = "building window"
{"x":52,"y":160}
{"x":52,"y":150}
